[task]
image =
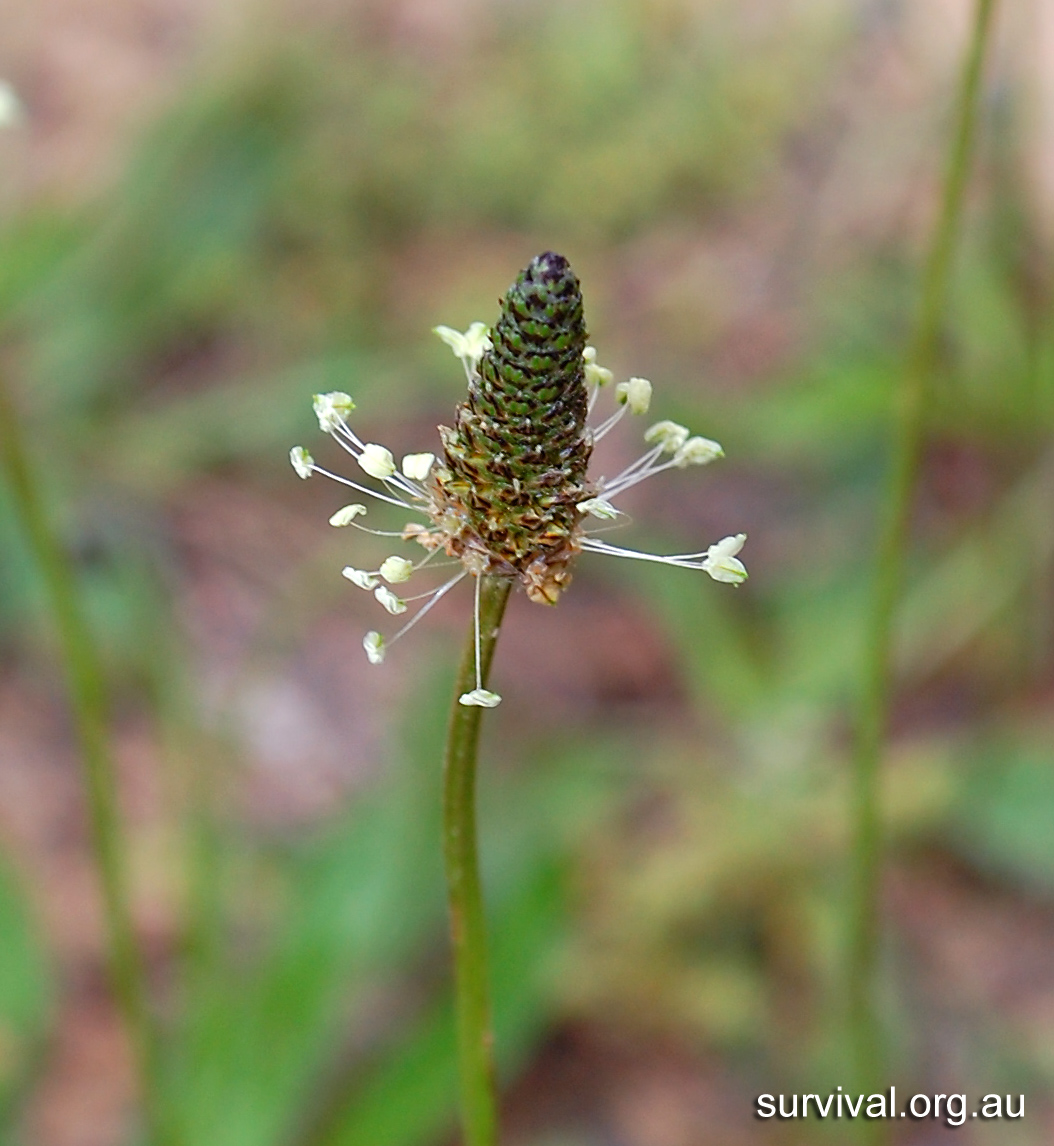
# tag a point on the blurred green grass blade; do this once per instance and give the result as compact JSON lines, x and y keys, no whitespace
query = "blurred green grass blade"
{"x":358,"y":901}
{"x":1005,"y":810}
{"x":254,"y":417}
{"x":33,"y":249}
{"x":835,"y":413}
{"x":183,"y":235}
{"x":26,"y":993}
{"x":358,"y":905}
{"x":19,"y":599}
{"x":724,"y":656}
{"x":981,"y":575}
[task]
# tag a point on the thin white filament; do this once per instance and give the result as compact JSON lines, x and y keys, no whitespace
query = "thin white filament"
{"x":436,"y":595}
{"x":479,"y":682}
{"x":615,"y":551}
{"x":366,"y":489}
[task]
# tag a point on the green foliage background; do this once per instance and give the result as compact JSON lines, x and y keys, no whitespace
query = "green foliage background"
{"x":673,"y":868}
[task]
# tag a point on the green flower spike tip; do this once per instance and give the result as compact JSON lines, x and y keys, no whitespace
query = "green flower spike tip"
{"x":515,"y":461}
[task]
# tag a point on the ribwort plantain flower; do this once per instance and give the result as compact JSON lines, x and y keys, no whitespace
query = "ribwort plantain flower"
{"x":510,"y":496}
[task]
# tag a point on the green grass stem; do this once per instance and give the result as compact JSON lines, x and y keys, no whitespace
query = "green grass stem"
{"x":87,"y":691}
{"x":479,"y":1107}
{"x":865,"y":1029}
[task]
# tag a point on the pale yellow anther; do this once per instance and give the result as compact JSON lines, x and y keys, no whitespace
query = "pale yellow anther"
{"x":395,"y":569}
{"x":417,"y":466}
{"x":377,"y":461}
{"x":302,"y":461}
{"x":634,"y":393}
{"x":373,"y":643}
{"x":347,"y":514}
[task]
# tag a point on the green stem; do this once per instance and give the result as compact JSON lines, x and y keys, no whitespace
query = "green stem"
{"x":467,"y":924}
{"x":84,"y":680}
{"x":865,"y":1029}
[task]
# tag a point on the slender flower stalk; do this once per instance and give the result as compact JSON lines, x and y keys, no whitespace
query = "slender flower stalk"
{"x":864,"y":942}
{"x":85,"y":681}
{"x":508,"y":503}
{"x":468,"y":935}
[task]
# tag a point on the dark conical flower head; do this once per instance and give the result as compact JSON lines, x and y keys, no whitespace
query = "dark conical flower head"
{"x":509,"y":496}
{"x":516,"y":458}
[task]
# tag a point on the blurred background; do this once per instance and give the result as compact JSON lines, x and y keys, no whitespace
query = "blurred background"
{"x":208,"y":213}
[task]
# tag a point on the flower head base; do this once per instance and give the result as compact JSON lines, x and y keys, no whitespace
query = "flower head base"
{"x":509,"y":496}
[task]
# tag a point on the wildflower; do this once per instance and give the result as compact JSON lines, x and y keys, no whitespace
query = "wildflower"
{"x":509,"y":495}
{"x":593,"y":374}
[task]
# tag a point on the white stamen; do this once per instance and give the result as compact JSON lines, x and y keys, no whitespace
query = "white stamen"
{"x":697,"y":452}
{"x":470,"y":346}
{"x":721,"y":562}
{"x":377,"y":461}
{"x":597,"y":375}
{"x":365,"y":489}
{"x":302,"y":461}
{"x":389,"y":600}
{"x":479,"y":698}
{"x":475,"y":614}
{"x":598,"y":507}
{"x":11,"y":109}
{"x":670,"y":435}
{"x":331,"y":409}
{"x":416,"y":466}
{"x":347,"y":514}
{"x":636,"y":394}
{"x":395,"y":569}
{"x":436,"y":595}
{"x":609,"y":424}
{"x":373,"y":643}
{"x":360,"y":577}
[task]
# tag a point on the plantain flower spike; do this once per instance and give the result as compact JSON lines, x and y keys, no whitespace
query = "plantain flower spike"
{"x":510,"y":495}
